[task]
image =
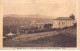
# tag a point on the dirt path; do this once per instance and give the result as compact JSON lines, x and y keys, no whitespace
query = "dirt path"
{"x":34,"y":36}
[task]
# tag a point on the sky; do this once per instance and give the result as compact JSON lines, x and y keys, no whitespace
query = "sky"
{"x":53,"y":8}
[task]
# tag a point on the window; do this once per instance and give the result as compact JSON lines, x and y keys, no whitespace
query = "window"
{"x":62,"y":23}
{"x":59,"y":23}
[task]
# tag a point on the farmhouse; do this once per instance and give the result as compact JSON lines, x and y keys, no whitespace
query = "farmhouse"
{"x":62,"y":22}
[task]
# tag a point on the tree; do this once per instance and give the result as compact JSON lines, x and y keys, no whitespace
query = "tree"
{"x":72,"y":16}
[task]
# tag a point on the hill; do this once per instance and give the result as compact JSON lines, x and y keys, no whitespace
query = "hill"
{"x":18,"y":21}
{"x":12,"y":22}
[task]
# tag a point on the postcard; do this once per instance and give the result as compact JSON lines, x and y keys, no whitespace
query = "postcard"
{"x":39,"y":24}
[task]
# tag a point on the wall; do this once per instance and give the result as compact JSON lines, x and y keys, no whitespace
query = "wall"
{"x":62,"y":23}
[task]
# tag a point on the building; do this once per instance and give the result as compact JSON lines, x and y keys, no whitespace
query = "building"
{"x":62,"y":22}
{"x":10,"y":34}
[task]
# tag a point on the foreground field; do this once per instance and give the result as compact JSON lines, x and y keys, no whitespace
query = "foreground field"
{"x":59,"y":38}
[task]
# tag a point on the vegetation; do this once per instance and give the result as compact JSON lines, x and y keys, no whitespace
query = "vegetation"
{"x":59,"y":38}
{"x":10,"y":24}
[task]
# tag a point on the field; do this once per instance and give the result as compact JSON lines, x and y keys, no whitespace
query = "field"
{"x":58,"y":38}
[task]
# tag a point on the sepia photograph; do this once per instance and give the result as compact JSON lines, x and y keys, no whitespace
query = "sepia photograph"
{"x":39,"y":23}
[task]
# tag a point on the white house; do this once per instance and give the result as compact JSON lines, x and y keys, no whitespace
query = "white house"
{"x":10,"y":34}
{"x":62,"y":22}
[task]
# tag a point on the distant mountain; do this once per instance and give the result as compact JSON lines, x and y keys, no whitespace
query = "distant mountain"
{"x":28,"y":16}
{"x":17,"y":20}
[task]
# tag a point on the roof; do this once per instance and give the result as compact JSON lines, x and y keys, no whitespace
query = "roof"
{"x":63,"y":18}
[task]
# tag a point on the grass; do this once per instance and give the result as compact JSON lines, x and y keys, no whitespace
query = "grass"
{"x":65,"y":38}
